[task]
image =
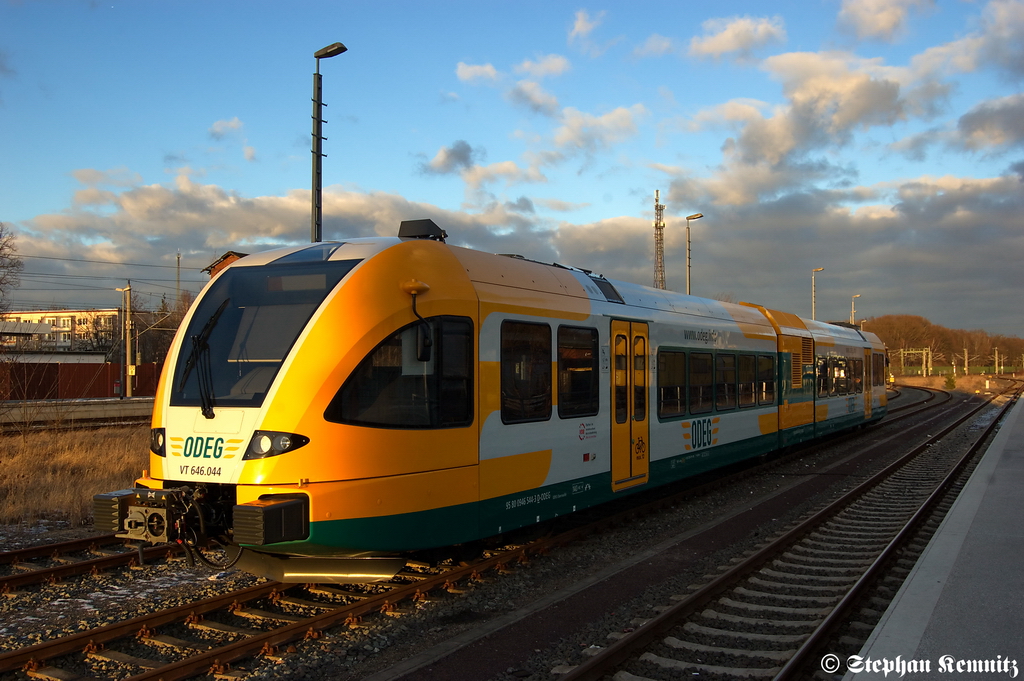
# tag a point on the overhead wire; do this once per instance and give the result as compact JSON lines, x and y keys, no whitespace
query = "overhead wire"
{"x":60,"y":282}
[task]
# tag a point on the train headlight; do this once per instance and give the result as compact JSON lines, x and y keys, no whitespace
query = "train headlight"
{"x":158,"y":441}
{"x":266,"y":443}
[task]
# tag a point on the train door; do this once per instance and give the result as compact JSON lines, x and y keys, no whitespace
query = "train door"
{"x":630,"y":411}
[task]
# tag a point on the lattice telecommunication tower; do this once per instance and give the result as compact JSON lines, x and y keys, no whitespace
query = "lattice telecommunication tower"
{"x":659,"y":241}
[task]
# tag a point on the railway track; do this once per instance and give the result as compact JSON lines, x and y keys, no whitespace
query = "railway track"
{"x":261,"y":619}
{"x":52,"y":563}
{"x":766,"y":616}
{"x":265,"y":620}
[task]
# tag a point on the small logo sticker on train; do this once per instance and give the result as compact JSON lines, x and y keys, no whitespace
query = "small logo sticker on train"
{"x":588,"y":431}
{"x":700,"y":433}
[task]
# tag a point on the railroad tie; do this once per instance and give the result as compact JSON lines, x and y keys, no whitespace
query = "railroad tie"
{"x":52,"y":674}
{"x":732,"y":672}
{"x":125,"y":658}
{"x":774,"y":655}
{"x":176,"y":643}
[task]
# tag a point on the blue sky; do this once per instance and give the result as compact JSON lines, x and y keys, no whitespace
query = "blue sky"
{"x":879,"y":139}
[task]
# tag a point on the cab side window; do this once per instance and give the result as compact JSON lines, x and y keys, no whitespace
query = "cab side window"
{"x":393,"y":388}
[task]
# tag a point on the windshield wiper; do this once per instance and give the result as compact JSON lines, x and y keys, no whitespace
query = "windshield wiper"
{"x":200,"y":354}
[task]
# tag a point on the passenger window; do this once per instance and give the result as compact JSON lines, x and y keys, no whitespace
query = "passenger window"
{"x":702,"y":378}
{"x":747,"y":373}
{"x":839,"y":386}
{"x":391,"y":388}
{"x":766,"y":379}
{"x":671,"y":383}
{"x":577,"y":372}
{"x":725,"y":388}
{"x":857,"y":374}
{"x":525,"y":372}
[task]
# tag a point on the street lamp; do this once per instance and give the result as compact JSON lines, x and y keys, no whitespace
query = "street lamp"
{"x":316,"y":219}
{"x":853,"y":310}
{"x":814,"y":293}
{"x":126,"y":336}
{"x":695,"y":216}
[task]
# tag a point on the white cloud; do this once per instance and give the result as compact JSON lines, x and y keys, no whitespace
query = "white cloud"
{"x":470,"y":73}
{"x":117,"y":177}
{"x":879,"y":19}
{"x":837,"y":91}
{"x":656,"y":46}
{"x":739,"y":35}
{"x":532,"y":96}
{"x":560,"y":206}
{"x":584,"y":25}
{"x":459,"y":156}
{"x":549,"y":65}
{"x":999,"y":43}
{"x":507,"y":171}
{"x":221,"y":128}
{"x":735,"y":110}
{"x":586,"y":132}
{"x":993,"y":124}
{"x":579,"y":34}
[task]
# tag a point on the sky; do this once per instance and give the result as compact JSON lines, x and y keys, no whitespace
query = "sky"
{"x":881,"y":140}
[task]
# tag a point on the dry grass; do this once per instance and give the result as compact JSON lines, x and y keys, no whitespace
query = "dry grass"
{"x":54,"y":474}
{"x":966,"y":384}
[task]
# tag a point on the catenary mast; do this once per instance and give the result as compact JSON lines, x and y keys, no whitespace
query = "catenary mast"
{"x":659,"y":241}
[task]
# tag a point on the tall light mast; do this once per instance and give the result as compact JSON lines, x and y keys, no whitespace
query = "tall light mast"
{"x":659,"y":241}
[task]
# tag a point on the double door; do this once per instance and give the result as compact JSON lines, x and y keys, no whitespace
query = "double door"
{"x":630,"y":410}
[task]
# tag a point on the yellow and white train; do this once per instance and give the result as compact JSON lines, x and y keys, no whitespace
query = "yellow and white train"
{"x":326,"y":409}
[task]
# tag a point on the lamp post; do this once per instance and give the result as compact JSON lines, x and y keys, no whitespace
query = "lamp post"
{"x":695,"y":216}
{"x":814,"y":293}
{"x":316,"y":219}
{"x":853,"y":310}
{"x":126,"y":331}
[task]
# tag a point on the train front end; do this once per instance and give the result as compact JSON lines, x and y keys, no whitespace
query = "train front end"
{"x":244,"y":468}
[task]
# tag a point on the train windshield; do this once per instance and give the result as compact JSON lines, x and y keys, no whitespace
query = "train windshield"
{"x":244,"y":327}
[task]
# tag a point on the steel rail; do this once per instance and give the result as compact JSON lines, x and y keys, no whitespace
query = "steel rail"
{"x":832,"y":620}
{"x":74,"y":643}
{"x":311,"y":626}
{"x":83,"y":567}
{"x":49,"y":550}
{"x":623,"y":649}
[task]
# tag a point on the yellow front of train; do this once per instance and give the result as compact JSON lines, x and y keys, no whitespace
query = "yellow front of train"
{"x":315,"y":416}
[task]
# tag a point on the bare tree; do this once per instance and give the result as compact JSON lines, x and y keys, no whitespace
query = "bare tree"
{"x":10,"y":266}
{"x":10,"y":277}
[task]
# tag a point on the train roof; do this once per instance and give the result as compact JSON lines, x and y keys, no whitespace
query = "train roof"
{"x":555,"y":278}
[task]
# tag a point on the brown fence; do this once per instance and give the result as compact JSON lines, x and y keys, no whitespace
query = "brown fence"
{"x":38,"y":381}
